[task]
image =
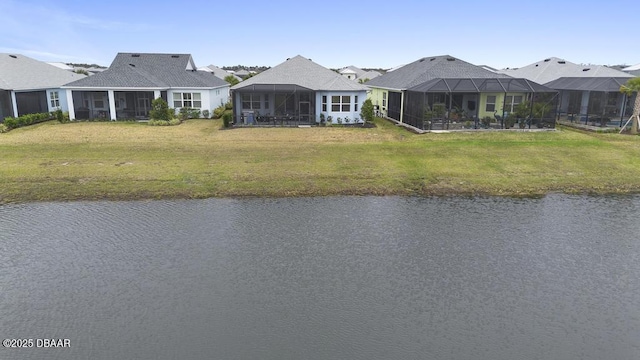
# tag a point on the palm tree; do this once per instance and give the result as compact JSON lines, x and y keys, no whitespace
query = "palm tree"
{"x":633,"y":86}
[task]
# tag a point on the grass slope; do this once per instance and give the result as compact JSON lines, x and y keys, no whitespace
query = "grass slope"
{"x":52,"y":161}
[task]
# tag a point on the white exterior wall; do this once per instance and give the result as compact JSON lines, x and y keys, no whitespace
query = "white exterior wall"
{"x":62,"y":97}
{"x":352,"y":115}
{"x":210,"y":99}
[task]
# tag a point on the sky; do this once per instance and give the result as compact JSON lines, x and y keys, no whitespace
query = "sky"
{"x":335,"y":34}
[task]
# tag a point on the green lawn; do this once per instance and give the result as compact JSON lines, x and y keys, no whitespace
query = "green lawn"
{"x":196,"y":159}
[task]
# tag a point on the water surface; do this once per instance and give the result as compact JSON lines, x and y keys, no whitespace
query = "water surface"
{"x":324,"y":278}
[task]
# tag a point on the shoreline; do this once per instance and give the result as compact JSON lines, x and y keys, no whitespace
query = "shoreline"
{"x":95,"y":161}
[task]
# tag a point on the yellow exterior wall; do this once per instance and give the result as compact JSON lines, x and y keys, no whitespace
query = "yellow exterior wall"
{"x":499,"y":103}
{"x":377,"y":97}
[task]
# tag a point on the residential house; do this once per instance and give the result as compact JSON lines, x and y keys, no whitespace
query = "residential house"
{"x":30,"y":86}
{"x":588,"y":93}
{"x":354,"y":73}
{"x":242,"y":73}
{"x":465,"y":92}
{"x":632,"y":70}
{"x":125,"y":90}
{"x":300,"y":90}
{"x":219,"y":72}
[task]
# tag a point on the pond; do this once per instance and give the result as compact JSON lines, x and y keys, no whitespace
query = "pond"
{"x":323,"y":278}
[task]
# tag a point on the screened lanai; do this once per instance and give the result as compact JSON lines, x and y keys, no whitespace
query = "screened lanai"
{"x":273,"y":104}
{"x":593,"y":101}
{"x":463,"y":103}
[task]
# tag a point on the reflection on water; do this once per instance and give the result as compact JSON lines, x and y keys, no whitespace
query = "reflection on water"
{"x":324,"y":278}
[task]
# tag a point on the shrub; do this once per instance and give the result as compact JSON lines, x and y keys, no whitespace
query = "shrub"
{"x":205,"y":114}
{"x":164,"y":122}
{"x":219,"y":111}
{"x":228,"y":105}
{"x":28,"y":119}
{"x":194,"y":113}
{"x":160,"y":110}
{"x":3,"y":128}
{"x":226,"y":118}
{"x":61,"y":116}
{"x":366,"y":112}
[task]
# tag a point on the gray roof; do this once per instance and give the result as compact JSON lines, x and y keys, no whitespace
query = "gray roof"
{"x":360,"y":74}
{"x":430,"y":68}
{"x":370,"y":75}
{"x":554,"y":68}
{"x":467,"y":85}
{"x":220,"y":73}
{"x":302,"y":72}
{"x":608,"y":84}
{"x":159,"y":71}
{"x":18,"y":72}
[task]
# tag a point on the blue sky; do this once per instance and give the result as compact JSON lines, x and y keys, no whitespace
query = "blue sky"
{"x":333,"y":33}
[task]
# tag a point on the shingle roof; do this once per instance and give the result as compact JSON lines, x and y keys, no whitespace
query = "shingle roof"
{"x":430,"y":68}
{"x":219,"y":72}
{"x":18,"y":72}
{"x":608,"y":84}
{"x":305,"y":73}
{"x":554,"y":68}
{"x":135,"y":70}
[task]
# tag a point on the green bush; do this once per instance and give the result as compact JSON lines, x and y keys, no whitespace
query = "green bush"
{"x":219,"y":111}
{"x":189,"y":113}
{"x":62,"y":117}
{"x":28,"y":119}
{"x":3,"y":128}
{"x":366,"y":112}
{"x":160,"y":110}
{"x":194,"y":113}
{"x":164,"y":122}
{"x":226,"y":118}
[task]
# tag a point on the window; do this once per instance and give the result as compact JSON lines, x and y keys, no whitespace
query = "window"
{"x":54,"y":98}
{"x":98,"y":103}
{"x":511,"y":102}
{"x":355,"y":99}
{"x":491,"y":103}
{"x":266,"y":101}
{"x":250,"y":101}
{"x":384,"y":99}
{"x":191,"y":100}
{"x":341,"y":103}
{"x":324,"y":102}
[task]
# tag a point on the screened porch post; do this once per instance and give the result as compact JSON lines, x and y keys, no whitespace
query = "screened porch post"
{"x":605,"y":102}
{"x":70,"y":105}
{"x":533,"y":98}
{"x":559,"y":108}
{"x":112,"y":104}
{"x":14,"y":104}
{"x":504,"y":104}
{"x":476,"y":118}
{"x":401,"y":105}
{"x":624,"y":108}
